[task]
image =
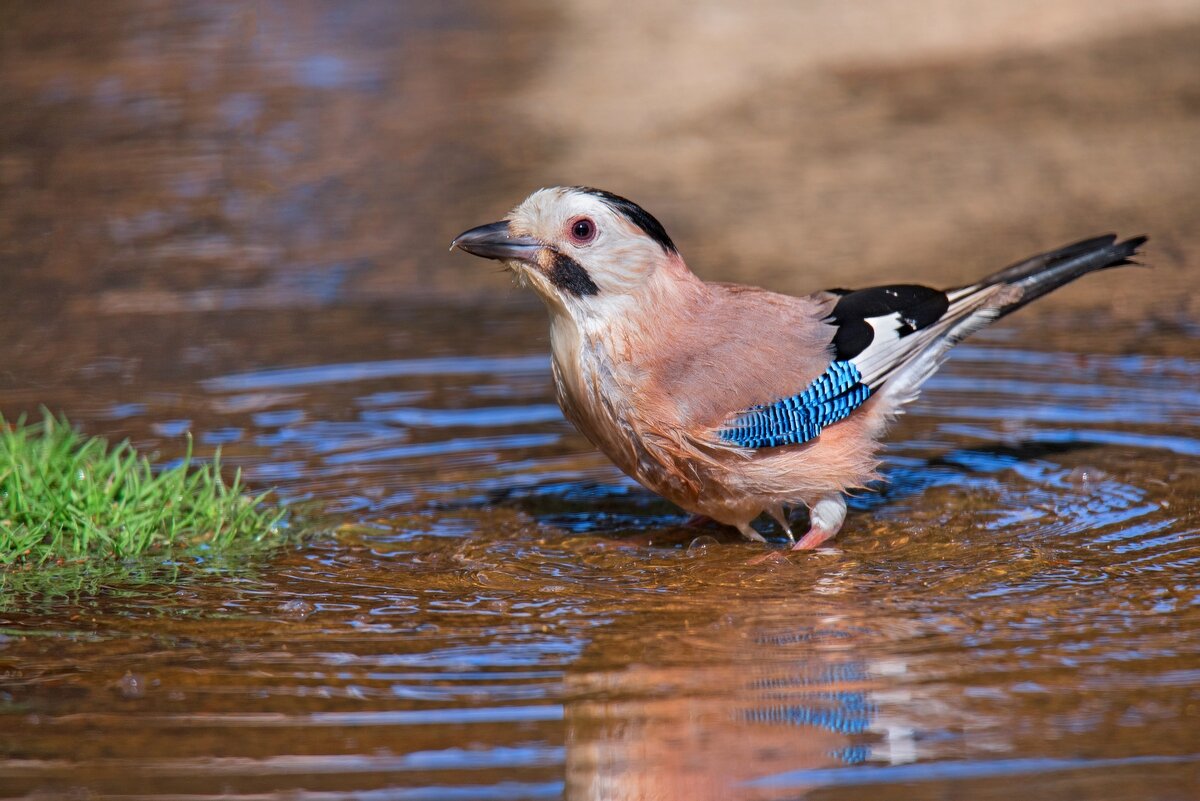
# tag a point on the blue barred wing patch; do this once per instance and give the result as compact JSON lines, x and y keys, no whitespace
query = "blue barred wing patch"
{"x":799,"y":418}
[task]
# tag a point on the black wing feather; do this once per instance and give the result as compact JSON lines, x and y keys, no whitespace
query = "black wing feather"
{"x":914,"y":307}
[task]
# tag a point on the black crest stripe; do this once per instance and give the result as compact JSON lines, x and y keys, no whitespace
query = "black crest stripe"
{"x":569,"y":276}
{"x":636,"y":215}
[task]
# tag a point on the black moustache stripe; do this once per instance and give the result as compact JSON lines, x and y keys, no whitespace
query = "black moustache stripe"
{"x":569,"y":276}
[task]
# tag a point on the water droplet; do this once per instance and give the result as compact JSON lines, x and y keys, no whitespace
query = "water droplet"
{"x":700,"y":545}
{"x":1084,"y":476}
{"x":295,"y":608}
{"x":131,"y":685}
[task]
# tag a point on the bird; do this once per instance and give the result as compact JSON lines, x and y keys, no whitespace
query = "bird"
{"x":732,"y":401}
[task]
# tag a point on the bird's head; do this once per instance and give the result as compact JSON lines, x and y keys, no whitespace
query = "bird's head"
{"x":582,"y":250}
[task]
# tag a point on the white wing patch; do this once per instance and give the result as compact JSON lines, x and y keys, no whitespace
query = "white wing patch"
{"x":895,"y":343}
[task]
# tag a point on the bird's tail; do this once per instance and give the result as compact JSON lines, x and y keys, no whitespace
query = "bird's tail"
{"x":975,"y":306}
{"x":1046,"y":272}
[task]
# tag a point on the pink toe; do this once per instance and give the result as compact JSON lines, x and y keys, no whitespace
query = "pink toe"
{"x":812,"y":539}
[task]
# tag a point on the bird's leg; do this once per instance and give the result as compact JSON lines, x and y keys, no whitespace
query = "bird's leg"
{"x":780,"y":516}
{"x":827,"y":516}
{"x":749,"y":533}
{"x":698,"y":521}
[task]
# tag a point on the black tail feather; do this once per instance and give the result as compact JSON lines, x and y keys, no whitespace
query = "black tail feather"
{"x":1046,"y":272}
{"x":1039,"y":262}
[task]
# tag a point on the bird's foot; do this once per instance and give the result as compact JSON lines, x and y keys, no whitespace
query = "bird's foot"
{"x":827,"y":516}
{"x":780,"y":516}
{"x":749,"y":533}
{"x":814,"y":538}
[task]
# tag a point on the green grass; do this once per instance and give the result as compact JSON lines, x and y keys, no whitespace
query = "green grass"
{"x":65,"y":497}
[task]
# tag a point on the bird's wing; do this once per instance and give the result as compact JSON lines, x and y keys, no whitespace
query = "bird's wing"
{"x":890,"y":339}
{"x":881,"y":334}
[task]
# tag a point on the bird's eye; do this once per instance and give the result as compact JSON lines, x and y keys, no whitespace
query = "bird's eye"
{"x":583,"y":230}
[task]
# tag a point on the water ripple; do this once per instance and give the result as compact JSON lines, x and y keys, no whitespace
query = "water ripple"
{"x":325,"y":374}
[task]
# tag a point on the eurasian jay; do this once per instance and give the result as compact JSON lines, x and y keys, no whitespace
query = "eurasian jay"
{"x":729,"y":400}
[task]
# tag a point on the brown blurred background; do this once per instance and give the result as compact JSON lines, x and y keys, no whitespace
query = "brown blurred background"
{"x":160,"y":157}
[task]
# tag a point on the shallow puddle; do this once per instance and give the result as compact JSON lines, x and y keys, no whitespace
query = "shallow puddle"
{"x":232,"y":223}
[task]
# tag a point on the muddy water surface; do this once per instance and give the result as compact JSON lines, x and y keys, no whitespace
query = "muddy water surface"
{"x":231,"y":221}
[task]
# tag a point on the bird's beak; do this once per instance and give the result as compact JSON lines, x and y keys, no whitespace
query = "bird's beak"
{"x":493,"y":241}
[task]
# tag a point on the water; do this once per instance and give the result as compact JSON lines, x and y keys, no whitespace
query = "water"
{"x":231,"y":221}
